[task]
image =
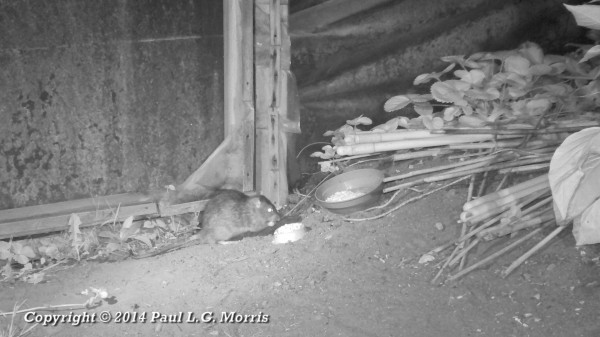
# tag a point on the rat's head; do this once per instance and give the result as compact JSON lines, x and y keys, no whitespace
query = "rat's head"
{"x":264,"y":210}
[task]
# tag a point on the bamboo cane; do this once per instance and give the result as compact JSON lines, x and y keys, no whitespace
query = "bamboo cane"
{"x":364,"y":148}
{"x":495,"y":255}
{"x":532,"y":251}
{"x":505,"y":192}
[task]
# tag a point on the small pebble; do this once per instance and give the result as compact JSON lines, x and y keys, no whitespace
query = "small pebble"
{"x":439,"y":226}
{"x":550,"y":267}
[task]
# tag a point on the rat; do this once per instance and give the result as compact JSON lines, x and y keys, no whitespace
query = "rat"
{"x":231,"y":214}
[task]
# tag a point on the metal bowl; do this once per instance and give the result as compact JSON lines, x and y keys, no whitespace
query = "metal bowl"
{"x":367,"y":181}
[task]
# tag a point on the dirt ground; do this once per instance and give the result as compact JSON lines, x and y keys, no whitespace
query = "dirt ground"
{"x":341,"y":279}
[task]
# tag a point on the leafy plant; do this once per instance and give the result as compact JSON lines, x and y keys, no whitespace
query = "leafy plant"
{"x":131,"y":230}
{"x":516,"y":86}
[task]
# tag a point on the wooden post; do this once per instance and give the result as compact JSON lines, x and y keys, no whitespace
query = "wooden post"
{"x":272,"y":63}
{"x":232,"y":163}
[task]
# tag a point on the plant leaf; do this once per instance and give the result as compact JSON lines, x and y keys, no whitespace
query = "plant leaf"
{"x":586,"y":15}
{"x":4,"y":245}
{"x":360,"y":120}
{"x":540,"y":69}
{"x":471,"y":121}
{"x":485,"y":95}
{"x":396,"y":103}
{"x":404,"y":122}
{"x":451,"y":91}
{"x":533,"y":52}
{"x":559,"y":89}
{"x":451,"y":112}
{"x":437,"y":123}
{"x":390,"y":125}
{"x":129,"y":228}
{"x":427,"y":121}
{"x":517,"y":64}
{"x":22,"y":259}
{"x":475,"y":76}
{"x":160,"y":223}
{"x":5,"y":253}
{"x":591,"y":53}
{"x":28,"y":251}
{"x":538,"y":106}
{"x":423,"y":109}
{"x":424,"y":78}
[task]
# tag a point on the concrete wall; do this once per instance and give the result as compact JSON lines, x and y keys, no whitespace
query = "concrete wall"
{"x":350,"y":67}
{"x":106,"y":96}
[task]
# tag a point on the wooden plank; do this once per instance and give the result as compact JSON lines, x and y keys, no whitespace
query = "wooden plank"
{"x":275,"y":23}
{"x":247,"y":47}
{"x":324,"y":14}
{"x":19,"y":228}
{"x":73,"y":206}
{"x":188,"y":207}
{"x":248,"y":134}
{"x":232,"y":33}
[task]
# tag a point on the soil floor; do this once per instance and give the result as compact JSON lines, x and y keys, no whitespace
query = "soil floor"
{"x":342,"y":279}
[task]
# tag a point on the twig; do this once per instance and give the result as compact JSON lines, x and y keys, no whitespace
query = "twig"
{"x":463,"y":230}
{"x":439,"y":273}
{"x":409,"y":201}
{"x":420,"y":154}
{"x":532,"y":251}
{"x":502,"y":182}
{"x":525,"y":168}
{"x":463,"y":253}
{"x":483,"y":183}
{"x":438,"y":168}
{"x":494,"y":255}
{"x":309,"y":145}
{"x":386,"y":203}
{"x":348,"y":158}
{"x":47,"y":308}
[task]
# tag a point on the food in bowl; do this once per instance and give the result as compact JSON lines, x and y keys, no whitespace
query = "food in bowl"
{"x":344,"y":195}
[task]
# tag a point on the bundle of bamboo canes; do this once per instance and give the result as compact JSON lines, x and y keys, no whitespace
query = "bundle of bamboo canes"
{"x":509,"y":211}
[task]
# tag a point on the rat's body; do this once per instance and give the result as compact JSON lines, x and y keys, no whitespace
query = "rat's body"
{"x":230,"y":214}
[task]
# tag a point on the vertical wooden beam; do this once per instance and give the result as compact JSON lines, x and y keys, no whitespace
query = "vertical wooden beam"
{"x":248,"y":131}
{"x":270,"y":40}
{"x":232,"y":163}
